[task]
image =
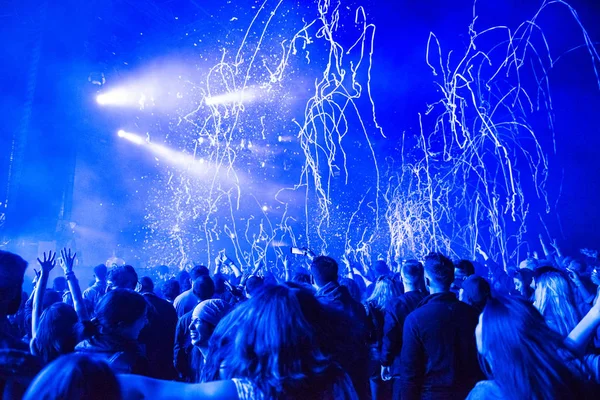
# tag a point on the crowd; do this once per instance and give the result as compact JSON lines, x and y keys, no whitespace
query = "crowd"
{"x":429,"y":329}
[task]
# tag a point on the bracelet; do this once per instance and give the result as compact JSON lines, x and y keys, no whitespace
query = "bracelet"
{"x":70,"y":276}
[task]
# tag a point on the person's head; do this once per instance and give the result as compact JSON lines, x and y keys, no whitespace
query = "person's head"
{"x":381,"y":268}
{"x":555,"y":300}
{"x":123,"y":277}
{"x":203,"y":288}
{"x":171,"y":289}
{"x":268,"y":340}
{"x":577,"y":266}
{"x":385,"y":291}
{"x":198,"y":271}
{"x":185,"y":281}
{"x":324,"y":270}
{"x":51,"y":296}
{"x":205,"y":318}
{"x":163,"y":272}
{"x":353,"y":288}
{"x":75,"y":376}
{"x":522,"y":279}
{"x":147,"y":285}
{"x":12,"y":270}
{"x":121,"y":312}
{"x":463,"y":269}
{"x":59,"y":284}
{"x":56,"y":334}
{"x":301,"y":277}
{"x":439,"y":273}
{"x":520,"y":352}
{"x":475,"y":291}
{"x":100,"y":272}
{"x":412,"y":274}
{"x":253,"y":284}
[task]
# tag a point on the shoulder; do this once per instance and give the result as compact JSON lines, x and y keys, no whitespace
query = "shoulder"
{"x":485,"y":390}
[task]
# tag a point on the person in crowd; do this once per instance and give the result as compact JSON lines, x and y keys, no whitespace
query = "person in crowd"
{"x":325,"y":274}
{"x":439,"y":356}
{"x":579,"y":339}
{"x":253,"y":285}
{"x":59,"y":284}
{"x":384,"y":293}
{"x":17,"y":366}
{"x":264,"y":348}
{"x":353,"y":288}
{"x":475,"y":291}
{"x":187,"y":300}
{"x":74,"y":377}
{"x":203,"y":289}
{"x":113,"y":334}
{"x":462,"y":270}
{"x":185,"y":280}
{"x":394,"y":317}
{"x":555,"y":301}
{"x":170,"y":290}
{"x":55,"y":334}
{"x":158,"y":335}
{"x":146,"y":285}
{"x":523,"y":279}
{"x":205,"y":318}
{"x":163,"y":273}
{"x":98,"y":289}
{"x":522,"y":357}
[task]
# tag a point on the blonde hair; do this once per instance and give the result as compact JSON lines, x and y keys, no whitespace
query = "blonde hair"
{"x":386,"y":290}
{"x":555,"y":301}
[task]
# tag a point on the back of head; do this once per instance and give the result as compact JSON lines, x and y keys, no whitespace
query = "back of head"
{"x":527,"y":359}
{"x":147,"y":284}
{"x":59,"y":284}
{"x":100,"y":272}
{"x":123,"y":277}
{"x":171,"y":289}
{"x":75,"y":376}
{"x":117,"y":309}
{"x":439,"y":270}
{"x":324,"y":269}
{"x":203,"y":287}
{"x":185,"y":280}
{"x":381,"y":268}
{"x":555,"y":300}
{"x":254,"y":284}
{"x":412,"y":273}
{"x":476,"y":291}
{"x":56,"y":333}
{"x":198,"y":271}
{"x":12,"y":270}
{"x":385,"y":291}
{"x":530,"y":263}
{"x":162,"y":270}
{"x":466,"y":267}
{"x":353,"y":288}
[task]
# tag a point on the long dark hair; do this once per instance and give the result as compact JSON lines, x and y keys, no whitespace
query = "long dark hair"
{"x":118,"y":308}
{"x":268,"y":340}
{"x":524,"y":356}
{"x":56,"y":333}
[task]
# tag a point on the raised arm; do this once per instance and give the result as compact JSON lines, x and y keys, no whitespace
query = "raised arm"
{"x":580,"y":336}
{"x":68,"y":261}
{"x":38,"y":298}
{"x":236,"y":271}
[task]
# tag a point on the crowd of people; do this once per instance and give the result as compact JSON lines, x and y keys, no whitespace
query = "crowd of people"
{"x":412,"y":329}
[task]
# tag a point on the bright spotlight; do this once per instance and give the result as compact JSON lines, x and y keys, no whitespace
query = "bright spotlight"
{"x":227,"y":98}
{"x":123,"y":97}
{"x":132,"y":137}
{"x":265,"y":208}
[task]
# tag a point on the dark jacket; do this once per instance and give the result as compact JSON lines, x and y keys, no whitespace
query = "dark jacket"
{"x":393,"y":326}
{"x":182,"y":356}
{"x":439,"y":354}
{"x":124,"y":356}
{"x":338,"y":297}
{"x":158,"y":336}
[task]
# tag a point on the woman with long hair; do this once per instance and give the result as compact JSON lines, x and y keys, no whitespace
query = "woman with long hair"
{"x":56,"y":333}
{"x":113,"y":333}
{"x":522,"y":357}
{"x":263,"y":349}
{"x":555,"y":300}
{"x":386,"y":290}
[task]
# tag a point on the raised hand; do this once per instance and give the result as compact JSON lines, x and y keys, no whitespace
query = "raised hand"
{"x":49,"y":263}
{"x":68,"y":260}
{"x":574,"y":276}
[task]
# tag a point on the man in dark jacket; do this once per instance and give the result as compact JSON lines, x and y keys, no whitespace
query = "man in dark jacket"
{"x":325,"y":273}
{"x":395,"y":315}
{"x":439,"y":354}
